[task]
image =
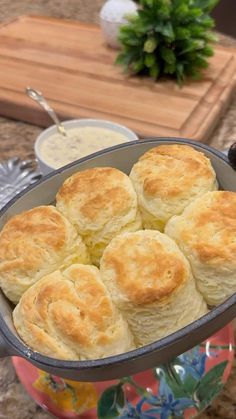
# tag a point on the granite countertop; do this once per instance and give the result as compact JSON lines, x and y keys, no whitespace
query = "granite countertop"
{"x":17,"y":139}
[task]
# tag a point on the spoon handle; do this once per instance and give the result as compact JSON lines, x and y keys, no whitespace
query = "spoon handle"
{"x":38,"y":97}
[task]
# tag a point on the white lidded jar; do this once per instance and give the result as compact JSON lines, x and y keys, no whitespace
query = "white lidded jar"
{"x":112,"y":16}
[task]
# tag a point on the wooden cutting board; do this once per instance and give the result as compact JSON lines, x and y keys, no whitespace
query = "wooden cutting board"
{"x":71,"y":64}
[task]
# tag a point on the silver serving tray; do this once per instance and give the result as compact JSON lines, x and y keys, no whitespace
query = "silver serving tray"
{"x":15,"y":176}
{"x":149,"y":356}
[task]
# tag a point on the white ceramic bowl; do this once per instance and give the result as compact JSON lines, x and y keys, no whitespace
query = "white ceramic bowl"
{"x":45,"y":168}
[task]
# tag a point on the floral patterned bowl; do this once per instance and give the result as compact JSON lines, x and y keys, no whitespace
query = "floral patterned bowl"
{"x":180,"y":389}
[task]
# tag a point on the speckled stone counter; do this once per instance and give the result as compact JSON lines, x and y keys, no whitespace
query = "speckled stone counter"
{"x":17,"y":139}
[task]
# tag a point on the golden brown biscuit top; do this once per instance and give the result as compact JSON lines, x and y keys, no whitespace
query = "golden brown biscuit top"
{"x":208,"y":227}
{"x":96,"y":195}
{"x":177,"y":151}
{"x":169,"y":171}
{"x":72,"y":305}
{"x":146,"y":266}
{"x":31,"y":237}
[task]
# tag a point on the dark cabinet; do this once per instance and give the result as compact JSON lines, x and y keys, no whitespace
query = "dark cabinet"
{"x":225,"y":17}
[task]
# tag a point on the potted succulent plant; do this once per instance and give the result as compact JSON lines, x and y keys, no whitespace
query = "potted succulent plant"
{"x":168,"y":38}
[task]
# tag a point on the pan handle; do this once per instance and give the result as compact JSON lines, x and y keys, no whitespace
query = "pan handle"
{"x":232,"y":155}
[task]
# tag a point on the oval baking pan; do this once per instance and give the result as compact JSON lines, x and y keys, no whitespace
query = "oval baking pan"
{"x":149,"y":356}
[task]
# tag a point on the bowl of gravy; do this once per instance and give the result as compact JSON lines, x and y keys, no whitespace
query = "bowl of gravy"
{"x":84,"y":137}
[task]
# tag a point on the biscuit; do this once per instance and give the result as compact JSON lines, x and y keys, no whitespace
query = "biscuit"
{"x":33,"y":244}
{"x":167,"y":178}
{"x":69,"y":315}
{"x":101,"y":203}
{"x":206,"y":233}
{"x":150,"y":281}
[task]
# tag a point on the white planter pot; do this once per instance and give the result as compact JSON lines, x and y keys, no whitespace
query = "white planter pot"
{"x":112,"y":16}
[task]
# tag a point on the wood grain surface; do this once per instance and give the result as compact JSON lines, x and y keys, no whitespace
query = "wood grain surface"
{"x":73,"y":67}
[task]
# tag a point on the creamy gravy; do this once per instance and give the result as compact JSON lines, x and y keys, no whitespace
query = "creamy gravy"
{"x":57,"y":151}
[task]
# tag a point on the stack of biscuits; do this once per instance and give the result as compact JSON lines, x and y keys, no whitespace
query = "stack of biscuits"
{"x":121,"y":261}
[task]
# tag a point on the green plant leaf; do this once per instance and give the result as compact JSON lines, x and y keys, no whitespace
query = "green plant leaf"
{"x":125,"y":58}
{"x":180,"y":72}
{"x":196,"y":30}
{"x":159,"y":27}
{"x":146,"y":15}
{"x":182,"y":33}
{"x":126,"y":29}
{"x":206,"y":21}
{"x":213,"y":375}
{"x":193,"y":45}
{"x":154,"y":71}
{"x":179,"y":388}
{"x":206,"y":5}
{"x":182,"y":11}
{"x":111,"y":402}
{"x":207,"y":51}
{"x":149,"y":3}
{"x":209,"y":395}
{"x":163,"y":12}
{"x":196,"y":12}
{"x":166,"y":30}
{"x":140,"y":28}
{"x":169,"y":68}
{"x":211,"y":37}
{"x":121,"y":59}
{"x":131,"y":39}
{"x":201,"y":61}
{"x":137,"y":66}
{"x":150,"y":60}
{"x":150,"y":44}
{"x":133,"y":18}
{"x":211,"y":383}
{"x":195,"y":74}
{"x":168,"y":55}
{"x":189,"y":385}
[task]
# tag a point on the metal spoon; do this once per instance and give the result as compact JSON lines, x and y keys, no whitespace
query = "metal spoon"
{"x":38,"y":97}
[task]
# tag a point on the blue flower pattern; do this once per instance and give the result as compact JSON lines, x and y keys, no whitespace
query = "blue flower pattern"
{"x":182,"y":385}
{"x":164,"y":404}
{"x":194,"y":363}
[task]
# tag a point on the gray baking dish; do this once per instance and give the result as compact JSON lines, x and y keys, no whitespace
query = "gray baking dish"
{"x":149,"y":356}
